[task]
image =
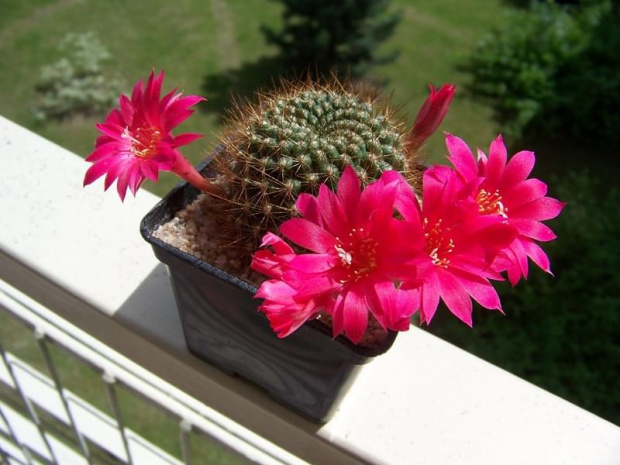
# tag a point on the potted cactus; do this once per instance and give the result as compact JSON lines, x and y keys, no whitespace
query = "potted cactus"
{"x":372,"y":237}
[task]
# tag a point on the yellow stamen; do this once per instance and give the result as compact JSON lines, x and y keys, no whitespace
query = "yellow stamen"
{"x":144,"y":141}
{"x":437,"y":245}
{"x":358,"y":254}
{"x":491,"y":203}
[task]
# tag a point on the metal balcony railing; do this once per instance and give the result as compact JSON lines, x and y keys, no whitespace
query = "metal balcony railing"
{"x":76,"y":274}
{"x":44,"y":422}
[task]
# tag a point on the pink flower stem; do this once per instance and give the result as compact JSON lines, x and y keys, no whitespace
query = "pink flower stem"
{"x":185,"y":170}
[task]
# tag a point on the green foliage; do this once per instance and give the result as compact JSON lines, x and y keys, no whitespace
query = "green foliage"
{"x":561,"y":332}
{"x":588,"y":88}
{"x":334,"y":36}
{"x":76,"y":84}
{"x":516,"y":67}
{"x":553,"y":69}
{"x":296,"y":138}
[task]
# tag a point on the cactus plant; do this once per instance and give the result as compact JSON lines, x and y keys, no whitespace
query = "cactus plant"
{"x":293,"y":139}
{"x":365,"y":248}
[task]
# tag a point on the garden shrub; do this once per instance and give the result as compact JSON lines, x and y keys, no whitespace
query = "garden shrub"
{"x":326,"y":36}
{"x":76,"y":84}
{"x":516,"y":66}
{"x":546,"y":69}
{"x":562,"y":331}
{"x":589,"y":87}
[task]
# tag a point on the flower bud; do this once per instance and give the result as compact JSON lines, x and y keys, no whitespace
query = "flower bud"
{"x":430,"y":115}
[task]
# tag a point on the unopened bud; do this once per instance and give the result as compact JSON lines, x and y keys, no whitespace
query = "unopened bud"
{"x":430,"y":115}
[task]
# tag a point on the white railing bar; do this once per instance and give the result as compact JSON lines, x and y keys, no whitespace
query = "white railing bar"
{"x":27,"y":373}
{"x":185,"y":427}
{"x":126,"y":436}
{"x":4,"y":457}
{"x":15,"y":440}
{"x":215,"y":425}
{"x":109,"y":382}
{"x":10,"y":452}
{"x":30,"y":408}
{"x":40,"y":337}
{"x":24,"y":427}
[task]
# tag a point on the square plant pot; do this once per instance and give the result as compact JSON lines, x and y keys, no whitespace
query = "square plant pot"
{"x":308,"y":371}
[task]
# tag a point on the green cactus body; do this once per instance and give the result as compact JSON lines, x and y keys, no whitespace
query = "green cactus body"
{"x":293,"y":140}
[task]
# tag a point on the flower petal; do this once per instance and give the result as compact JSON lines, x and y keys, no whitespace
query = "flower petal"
{"x":308,"y":206}
{"x":545,"y":208}
{"x":455,"y":296}
{"x":497,"y":160}
{"x":97,"y":170}
{"x":105,"y":150}
{"x":348,"y":190}
{"x":127,"y":110}
{"x":518,"y":168}
{"x":149,"y":170}
{"x":538,"y":256}
{"x":481,"y":290}
{"x":308,"y":235}
{"x":522,"y":193}
{"x":397,"y":305}
{"x":533,"y":229}
{"x":355,"y":314}
{"x":461,"y":157}
{"x":284,"y":313}
{"x":187,"y":138}
{"x":335,"y":218}
{"x":111,"y":130}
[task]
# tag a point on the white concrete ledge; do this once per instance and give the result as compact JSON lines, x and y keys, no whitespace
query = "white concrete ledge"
{"x":79,"y":252}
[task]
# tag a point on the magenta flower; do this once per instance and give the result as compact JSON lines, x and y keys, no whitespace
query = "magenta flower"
{"x":459,"y":247}
{"x":137,"y":142}
{"x":288,"y":311}
{"x":431,"y":114}
{"x":360,"y":255}
{"x":501,"y":188}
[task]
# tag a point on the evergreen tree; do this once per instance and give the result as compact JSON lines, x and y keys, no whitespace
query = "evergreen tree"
{"x":339,"y":36}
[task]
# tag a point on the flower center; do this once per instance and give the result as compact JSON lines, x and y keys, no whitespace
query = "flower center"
{"x":144,"y":141}
{"x":357,"y":254}
{"x":437,"y":244}
{"x":491,"y":203}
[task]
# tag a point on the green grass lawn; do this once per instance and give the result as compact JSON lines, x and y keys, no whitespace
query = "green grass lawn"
{"x":215,"y":47}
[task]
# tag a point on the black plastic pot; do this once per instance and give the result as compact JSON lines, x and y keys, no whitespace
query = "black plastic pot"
{"x":308,"y":371}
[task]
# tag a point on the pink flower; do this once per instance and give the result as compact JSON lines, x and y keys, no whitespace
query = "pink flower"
{"x":137,"y":141}
{"x":431,"y":114}
{"x":459,"y":246}
{"x":501,"y":188}
{"x":360,"y":256}
{"x":287,"y":312}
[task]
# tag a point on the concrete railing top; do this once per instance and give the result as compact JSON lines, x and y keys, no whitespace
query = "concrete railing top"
{"x":79,"y":252}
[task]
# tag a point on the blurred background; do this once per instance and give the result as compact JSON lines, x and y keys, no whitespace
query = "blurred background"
{"x":544,"y":74}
